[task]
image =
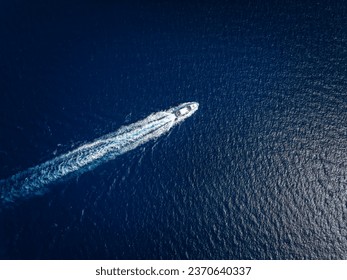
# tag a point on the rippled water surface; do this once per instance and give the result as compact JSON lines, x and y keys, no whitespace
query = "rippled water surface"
{"x":258,"y":172}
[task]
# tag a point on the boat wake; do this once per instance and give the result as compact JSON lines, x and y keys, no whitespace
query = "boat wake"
{"x":36,"y":180}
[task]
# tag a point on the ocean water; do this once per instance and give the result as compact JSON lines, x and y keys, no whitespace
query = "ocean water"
{"x":258,"y":172}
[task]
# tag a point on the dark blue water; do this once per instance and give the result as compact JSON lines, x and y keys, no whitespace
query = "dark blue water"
{"x":259,"y":172}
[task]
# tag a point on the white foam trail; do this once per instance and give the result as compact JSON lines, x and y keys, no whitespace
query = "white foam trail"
{"x":34,"y":181}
